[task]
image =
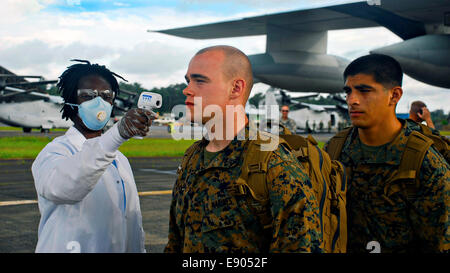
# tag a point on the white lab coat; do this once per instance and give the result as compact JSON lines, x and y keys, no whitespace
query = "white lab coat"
{"x":87,"y":204}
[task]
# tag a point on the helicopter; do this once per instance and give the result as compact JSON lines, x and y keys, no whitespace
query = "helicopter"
{"x":26,"y":104}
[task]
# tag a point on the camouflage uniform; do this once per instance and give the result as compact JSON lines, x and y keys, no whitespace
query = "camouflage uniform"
{"x":290,"y":124}
{"x":419,"y":225}
{"x":433,"y":130}
{"x":205,"y":215}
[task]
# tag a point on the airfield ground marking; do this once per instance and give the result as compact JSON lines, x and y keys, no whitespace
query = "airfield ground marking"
{"x":18,"y":202}
{"x":147,"y":193}
{"x":26,"y":202}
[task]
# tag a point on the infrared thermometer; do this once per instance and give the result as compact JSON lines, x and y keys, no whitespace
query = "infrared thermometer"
{"x":149,"y":101}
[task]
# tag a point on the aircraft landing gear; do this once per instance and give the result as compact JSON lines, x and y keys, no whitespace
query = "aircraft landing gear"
{"x":26,"y":130}
{"x":46,"y":131}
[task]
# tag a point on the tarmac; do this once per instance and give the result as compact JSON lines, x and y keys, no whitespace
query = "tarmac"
{"x":19,"y":212}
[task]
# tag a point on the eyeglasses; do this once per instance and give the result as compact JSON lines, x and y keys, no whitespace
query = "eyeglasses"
{"x":284,"y":110}
{"x":89,"y":94}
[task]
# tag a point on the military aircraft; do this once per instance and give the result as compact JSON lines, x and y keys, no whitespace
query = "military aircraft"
{"x":296,"y":56}
{"x":163,"y":120}
{"x":307,"y":116}
{"x":24,"y":104}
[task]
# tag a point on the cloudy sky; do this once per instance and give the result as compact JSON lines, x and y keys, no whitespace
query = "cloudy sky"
{"x":41,"y":36}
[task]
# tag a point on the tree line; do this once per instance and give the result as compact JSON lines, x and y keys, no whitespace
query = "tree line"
{"x":173,"y":95}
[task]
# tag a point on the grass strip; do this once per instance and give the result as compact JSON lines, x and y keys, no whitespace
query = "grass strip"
{"x":28,"y":147}
{"x":11,"y":128}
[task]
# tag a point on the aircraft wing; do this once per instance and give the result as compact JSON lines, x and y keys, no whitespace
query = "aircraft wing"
{"x":308,"y":20}
{"x":30,"y":95}
{"x":315,"y":107}
{"x":406,"y":18}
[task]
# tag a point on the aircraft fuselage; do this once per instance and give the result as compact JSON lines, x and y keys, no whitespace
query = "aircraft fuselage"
{"x":33,"y":114}
{"x":300,"y":71}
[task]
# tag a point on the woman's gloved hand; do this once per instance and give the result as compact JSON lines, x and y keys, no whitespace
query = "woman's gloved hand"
{"x":136,"y":122}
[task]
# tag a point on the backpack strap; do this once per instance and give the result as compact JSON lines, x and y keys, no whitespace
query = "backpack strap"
{"x":334,"y":147}
{"x":416,"y":147}
{"x":253,"y":178}
{"x":254,"y":167}
{"x":297,"y":144}
{"x":441,"y":143}
{"x":284,"y":130}
{"x":412,"y":158}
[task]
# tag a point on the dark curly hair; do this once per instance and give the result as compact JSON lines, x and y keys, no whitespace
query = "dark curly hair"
{"x":69,"y":79}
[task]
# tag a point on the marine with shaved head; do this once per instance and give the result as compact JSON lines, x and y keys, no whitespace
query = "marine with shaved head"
{"x":208,"y":213}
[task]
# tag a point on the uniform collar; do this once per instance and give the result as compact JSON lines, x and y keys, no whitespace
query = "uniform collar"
{"x":75,"y":137}
{"x":390,"y":154}
{"x":226,"y":158}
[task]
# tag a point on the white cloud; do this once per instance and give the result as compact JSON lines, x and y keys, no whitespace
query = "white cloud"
{"x":37,"y":41}
{"x":117,"y":39}
{"x":354,"y":43}
{"x":434,"y":97}
{"x":13,"y":11}
{"x":38,"y":57}
{"x":73,"y":2}
{"x":120,"y":4}
{"x":152,"y":58}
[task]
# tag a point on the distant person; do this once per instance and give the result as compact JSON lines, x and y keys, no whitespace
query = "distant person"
{"x":307,"y":128}
{"x":209,"y":211}
{"x":397,"y":196}
{"x":86,"y":191}
{"x":419,"y":113}
{"x":286,"y":121}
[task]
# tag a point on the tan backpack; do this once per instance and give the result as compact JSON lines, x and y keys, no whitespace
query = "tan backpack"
{"x":415,"y":150}
{"x":327,"y":177}
{"x":407,"y":176}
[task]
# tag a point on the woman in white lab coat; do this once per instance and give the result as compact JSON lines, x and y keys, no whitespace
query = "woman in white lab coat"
{"x":86,"y":191}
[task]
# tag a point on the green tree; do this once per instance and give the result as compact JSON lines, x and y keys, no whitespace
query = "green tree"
{"x":52,"y":90}
{"x":256,"y":99}
{"x":439,"y":118}
{"x":171,"y":95}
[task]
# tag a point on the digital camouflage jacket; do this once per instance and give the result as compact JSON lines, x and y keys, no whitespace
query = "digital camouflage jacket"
{"x":398,"y":225}
{"x":290,"y":124}
{"x":206,"y":215}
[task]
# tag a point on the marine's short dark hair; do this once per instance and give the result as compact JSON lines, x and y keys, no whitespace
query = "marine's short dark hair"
{"x":69,"y":80}
{"x":384,"y":69}
{"x":417,"y":105}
